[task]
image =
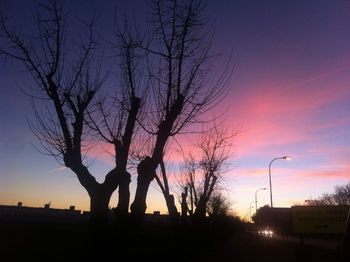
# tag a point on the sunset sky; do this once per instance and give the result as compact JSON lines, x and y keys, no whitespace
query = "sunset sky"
{"x":289,"y":95}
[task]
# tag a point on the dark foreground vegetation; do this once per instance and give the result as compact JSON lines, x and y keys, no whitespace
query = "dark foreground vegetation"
{"x":223,"y":239}
{"x":155,"y":239}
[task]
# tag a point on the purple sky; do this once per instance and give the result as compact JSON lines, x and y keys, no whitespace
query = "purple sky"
{"x":290,"y":95}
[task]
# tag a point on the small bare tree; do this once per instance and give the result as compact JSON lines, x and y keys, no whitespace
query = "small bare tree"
{"x":181,"y":90}
{"x":218,"y":205}
{"x":204,"y":169}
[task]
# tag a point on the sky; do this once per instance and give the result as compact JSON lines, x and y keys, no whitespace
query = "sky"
{"x":289,"y":95}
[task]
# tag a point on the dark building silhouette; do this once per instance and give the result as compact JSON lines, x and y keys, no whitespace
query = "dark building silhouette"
{"x":39,"y":214}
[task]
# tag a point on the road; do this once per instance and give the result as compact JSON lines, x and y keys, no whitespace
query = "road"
{"x":254,"y":247}
{"x":331,"y":244}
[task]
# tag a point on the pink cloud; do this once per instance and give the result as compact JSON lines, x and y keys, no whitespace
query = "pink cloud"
{"x":271,"y":118}
{"x":341,"y":153}
{"x":103,"y":152}
{"x":256,"y":172}
{"x":294,"y":175}
{"x":290,"y":115}
{"x":329,"y":171}
{"x":315,"y":181}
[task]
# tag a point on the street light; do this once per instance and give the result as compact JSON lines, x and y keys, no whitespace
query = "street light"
{"x":256,"y":198}
{"x":283,"y":157}
{"x":250,"y":211}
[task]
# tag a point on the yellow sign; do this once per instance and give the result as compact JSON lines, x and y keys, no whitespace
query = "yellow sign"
{"x":320,"y":219}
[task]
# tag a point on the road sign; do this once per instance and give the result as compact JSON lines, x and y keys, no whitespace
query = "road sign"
{"x":320,"y":219}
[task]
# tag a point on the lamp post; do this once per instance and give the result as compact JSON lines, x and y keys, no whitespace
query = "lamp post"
{"x":283,"y":157}
{"x":250,"y":211}
{"x":256,"y":198}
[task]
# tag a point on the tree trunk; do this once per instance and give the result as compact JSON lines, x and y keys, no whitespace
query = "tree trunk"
{"x":98,"y":228}
{"x":169,"y":198}
{"x":184,"y":207}
{"x":146,"y":171}
{"x":99,"y":201}
{"x":201,"y":208}
{"x":170,"y":203}
{"x":124,"y":195}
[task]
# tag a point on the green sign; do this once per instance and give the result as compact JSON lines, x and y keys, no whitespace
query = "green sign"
{"x":320,"y":219}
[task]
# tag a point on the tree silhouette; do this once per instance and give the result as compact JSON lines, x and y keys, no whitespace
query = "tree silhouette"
{"x":218,"y":205}
{"x":203,"y":171}
{"x":113,"y":119}
{"x":71,"y":111}
{"x":65,"y":104}
{"x":163,"y":183}
{"x":181,"y":90}
{"x":340,"y":196}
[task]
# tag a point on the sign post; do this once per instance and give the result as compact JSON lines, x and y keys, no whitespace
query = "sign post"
{"x":320,"y":219}
{"x":308,"y":220}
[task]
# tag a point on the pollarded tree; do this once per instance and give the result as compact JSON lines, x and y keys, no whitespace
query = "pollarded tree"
{"x":113,"y":118}
{"x":64,"y":92}
{"x":181,"y":87}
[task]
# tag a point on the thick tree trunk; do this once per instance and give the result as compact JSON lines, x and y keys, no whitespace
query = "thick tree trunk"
{"x":184,"y":207}
{"x":146,"y":171}
{"x":201,"y":208}
{"x":100,"y":194}
{"x":124,"y":195}
{"x":99,"y":201}
{"x":147,"y":167}
{"x":98,"y":230}
{"x":170,"y":203}
{"x":122,"y":154}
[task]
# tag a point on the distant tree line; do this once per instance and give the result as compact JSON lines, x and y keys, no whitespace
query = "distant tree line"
{"x":340,"y":196}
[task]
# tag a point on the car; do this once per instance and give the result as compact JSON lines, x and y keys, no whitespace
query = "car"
{"x":266,"y":231}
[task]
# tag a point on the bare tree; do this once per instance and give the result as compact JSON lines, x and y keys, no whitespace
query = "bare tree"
{"x":324,"y":200}
{"x":204,"y":170}
{"x":64,"y":94}
{"x":113,"y":118}
{"x":181,"y":90}
{"x":189,"y":184}
{"x":218,"y":205}
{"x":340,"y":196}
